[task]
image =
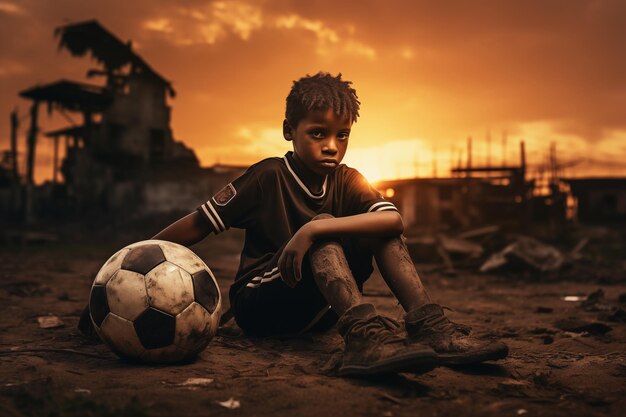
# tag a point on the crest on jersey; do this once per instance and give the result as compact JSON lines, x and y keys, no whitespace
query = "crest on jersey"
{"x":224,"y":195}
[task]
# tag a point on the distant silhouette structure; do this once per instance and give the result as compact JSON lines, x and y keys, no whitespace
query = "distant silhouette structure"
{"x":123,"y":153}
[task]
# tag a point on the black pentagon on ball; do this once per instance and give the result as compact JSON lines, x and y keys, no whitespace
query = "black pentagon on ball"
{"x":142,"y":259}
{"x":98,"y":305}
{"x":155,"y":328}
{"x":205,"y":291}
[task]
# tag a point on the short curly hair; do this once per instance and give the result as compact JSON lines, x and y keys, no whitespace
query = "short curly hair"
{"x":321,"y":91}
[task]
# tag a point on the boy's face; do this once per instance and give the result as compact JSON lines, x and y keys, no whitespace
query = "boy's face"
{"x":320,"y":140}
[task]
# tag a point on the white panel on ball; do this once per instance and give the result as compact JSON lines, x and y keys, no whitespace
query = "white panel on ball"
{"x":194,"y":328}
{"x":126,"y":294}
{"x":120,"y":334}
{"x":181,"y":256}
{"x":111,"y":266}
{"x":170,"y":289}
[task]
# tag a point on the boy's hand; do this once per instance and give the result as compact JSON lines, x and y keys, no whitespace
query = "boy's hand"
{"x":290,"y":261}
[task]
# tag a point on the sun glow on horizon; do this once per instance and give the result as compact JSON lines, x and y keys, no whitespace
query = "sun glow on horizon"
{"x":403,"y":158}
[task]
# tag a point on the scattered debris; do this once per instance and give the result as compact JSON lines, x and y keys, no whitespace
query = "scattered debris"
{"x":480,"y":232}
{"x":49,"y":322}
{"x":575,"y":325}
{"x":230,"y":403}
{"x":529,"y":252}
{"x":82,"y":391}
{"x":617,"y":315}
{"x":449,"y":267}
{"x":573,"y":298}
{"x":389,"y":397}
{"x":554,"y":364}
{"x":460,"y":246}
{"x":521,"y":411}
{"x":514,"y":388}
{"x":195,"y":383}
{"x":575,"y":253}
{"x":544,"y":310}
{"x":595,"y":302}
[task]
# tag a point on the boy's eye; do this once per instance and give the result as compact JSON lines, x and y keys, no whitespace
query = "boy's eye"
{"x":317,"y":134}
{"x":343,"y":136}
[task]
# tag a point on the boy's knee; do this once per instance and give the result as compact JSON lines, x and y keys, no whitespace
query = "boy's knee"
{"x":328,"y":242}
{"x":323,"y":216}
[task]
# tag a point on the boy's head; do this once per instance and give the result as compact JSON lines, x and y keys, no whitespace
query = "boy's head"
{"x":319,"y":114}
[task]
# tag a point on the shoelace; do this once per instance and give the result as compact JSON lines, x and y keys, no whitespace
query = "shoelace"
{"x":380,"y":328}
{"x":463,"y":328}
{"x":440,"y":323}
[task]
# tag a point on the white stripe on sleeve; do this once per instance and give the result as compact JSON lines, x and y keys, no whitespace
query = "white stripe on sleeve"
{"x":211,"y":219}
{"x":217,"y":216}
{"x":380,"y":205}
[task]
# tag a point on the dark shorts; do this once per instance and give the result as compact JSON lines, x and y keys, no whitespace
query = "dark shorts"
{"x":266,"y":306}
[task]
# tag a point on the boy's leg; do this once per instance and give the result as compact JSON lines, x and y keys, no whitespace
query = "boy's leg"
{"x":426,"y":321}
{"x":372,"y":344}
{"x":398,"y":270}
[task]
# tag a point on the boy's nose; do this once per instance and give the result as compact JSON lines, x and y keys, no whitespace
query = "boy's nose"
{"x":331,"y":146}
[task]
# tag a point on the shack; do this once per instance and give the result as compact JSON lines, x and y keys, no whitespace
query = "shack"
{"x":122,"y":157}
{"x":599,"y":200}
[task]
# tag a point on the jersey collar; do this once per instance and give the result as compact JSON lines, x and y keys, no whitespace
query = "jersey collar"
{"x":290,"y":167}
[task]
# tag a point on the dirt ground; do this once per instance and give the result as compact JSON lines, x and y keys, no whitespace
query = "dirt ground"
{"x":550,"y":371}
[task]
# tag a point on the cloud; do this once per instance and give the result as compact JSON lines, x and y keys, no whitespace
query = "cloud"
{"x":10,"y":68}
{"x":11,"y":8}
{"x":207,"y":23}
{"x":434,"y":70}
{"x":214,"y":22}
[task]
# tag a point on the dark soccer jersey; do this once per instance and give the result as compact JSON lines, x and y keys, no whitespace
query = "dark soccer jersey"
{"x":271,"y":202}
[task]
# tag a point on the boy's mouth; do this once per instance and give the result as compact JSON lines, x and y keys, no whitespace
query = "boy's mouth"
{"x":329,"y":162}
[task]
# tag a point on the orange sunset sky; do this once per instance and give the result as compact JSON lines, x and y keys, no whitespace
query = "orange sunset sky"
{"x":428,"y":73}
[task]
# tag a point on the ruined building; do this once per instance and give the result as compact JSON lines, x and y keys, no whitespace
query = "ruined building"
{"x":123,"y":156}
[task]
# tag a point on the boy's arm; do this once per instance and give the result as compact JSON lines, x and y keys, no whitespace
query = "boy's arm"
{"x":382,"y":223}
{"x":186,"y":231}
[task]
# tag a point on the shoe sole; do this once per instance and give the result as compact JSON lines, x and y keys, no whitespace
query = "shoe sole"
{"x":494,"y":354}
{"x":415,"y":363}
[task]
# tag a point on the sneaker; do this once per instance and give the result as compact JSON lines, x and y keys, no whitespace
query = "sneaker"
{"x":452,"y":341}
{"x":373,"y":345}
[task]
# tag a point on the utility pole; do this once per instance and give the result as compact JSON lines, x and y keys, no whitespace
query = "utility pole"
{"x":15,"y":175}
{"x":15,"y":123}
{"x":504,"y":148}
{"x":488,"y":152}
{"x":469,"y":156}
{"x":55,"y":162}
{"x":522,"y":149}
{"x":30,"y":162}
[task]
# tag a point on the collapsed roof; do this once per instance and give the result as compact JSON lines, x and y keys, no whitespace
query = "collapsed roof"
{"x":105,"y":48}
{"x":71,"y":95}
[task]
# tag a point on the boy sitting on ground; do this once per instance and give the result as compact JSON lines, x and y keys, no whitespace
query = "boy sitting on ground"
{"x":312,"y":227}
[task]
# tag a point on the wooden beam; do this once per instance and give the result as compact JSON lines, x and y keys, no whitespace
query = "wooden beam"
{"x":15,"y":123}
{"x":55,"y":162}
{"x":32,"y":143}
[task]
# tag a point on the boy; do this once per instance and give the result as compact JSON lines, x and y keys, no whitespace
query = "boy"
{"x":312,"y":227}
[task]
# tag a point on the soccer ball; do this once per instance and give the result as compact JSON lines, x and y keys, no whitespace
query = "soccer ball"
{"x":155,"y":301}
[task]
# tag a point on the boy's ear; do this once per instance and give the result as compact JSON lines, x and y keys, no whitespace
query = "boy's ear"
{"x":287,"y":130}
